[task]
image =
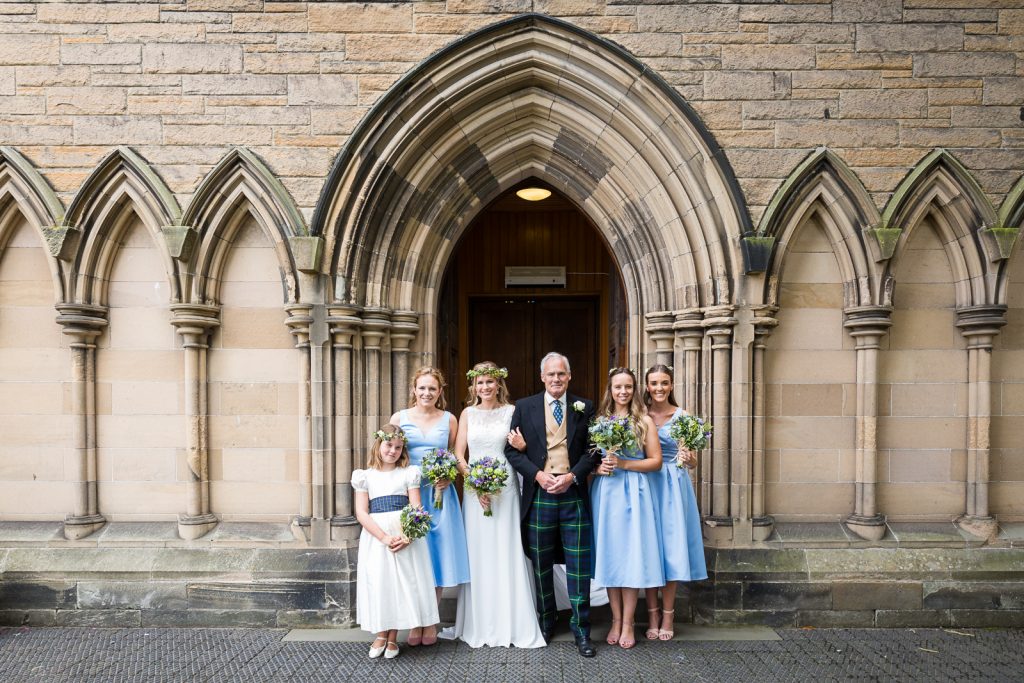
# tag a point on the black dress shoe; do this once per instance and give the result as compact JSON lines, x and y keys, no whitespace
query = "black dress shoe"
{"x":585,"y":647}
{"x":548,"y":634}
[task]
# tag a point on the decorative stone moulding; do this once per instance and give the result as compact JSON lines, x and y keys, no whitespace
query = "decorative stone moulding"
{"x":1003,"y":239}
{"x":886,"y":238}
{"x":181,"y":240}
{"x":868,"y":527}
{"x":757,"y":252}
{"x":307,"y":252}
{"x":62,"y":241}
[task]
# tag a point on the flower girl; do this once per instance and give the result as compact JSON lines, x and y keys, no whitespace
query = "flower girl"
{"x":395,"y":588}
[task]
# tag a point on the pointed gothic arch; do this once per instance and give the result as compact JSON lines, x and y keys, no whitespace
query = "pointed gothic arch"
{"x":939,"y":187}
{"x":825,"y":187}
{"x":532,"y":97}
{"x":238,"y":185}
{"x":23,"y":190}
{"x":121,"y":185}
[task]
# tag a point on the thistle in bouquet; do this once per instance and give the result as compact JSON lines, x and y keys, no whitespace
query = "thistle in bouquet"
{"x":415,"y":522}
{"x":613,"y":434}
{"x":487,"y":477}
{"x":690,"y":432}
{"x":439,"y":465}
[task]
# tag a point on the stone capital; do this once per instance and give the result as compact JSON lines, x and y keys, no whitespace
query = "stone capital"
{"x":659,"y":329}
{"x":404,"y":327}
{"x":979,"y":324}
{"x":344,"y":322}
{"x":82,"y":322}
{"x":194,"y":322}
{"x":764,"y":320}
{"x":376,"y":323}
{"x":299,"y":319}
{"x":867,"y":324}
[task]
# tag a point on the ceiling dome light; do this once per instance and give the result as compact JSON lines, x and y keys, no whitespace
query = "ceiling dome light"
{"x":533,"y":194}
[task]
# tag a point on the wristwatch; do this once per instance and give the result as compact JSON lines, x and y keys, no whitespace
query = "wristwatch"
{"x":574,"y":479}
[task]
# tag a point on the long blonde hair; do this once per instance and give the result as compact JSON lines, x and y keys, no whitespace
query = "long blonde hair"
{"x":482,"y":368}
{"x":636,"y":406}
{"x":386,"y":433}
{"x":436,"y":374}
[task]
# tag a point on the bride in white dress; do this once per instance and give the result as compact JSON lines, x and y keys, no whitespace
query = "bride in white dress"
{"x":496,"y":608}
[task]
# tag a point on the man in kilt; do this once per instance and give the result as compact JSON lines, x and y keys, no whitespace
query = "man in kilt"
{"x":555,"y":462}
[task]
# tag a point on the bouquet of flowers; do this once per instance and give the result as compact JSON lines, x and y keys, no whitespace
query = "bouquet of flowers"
{"x":612,"y":434}
{"x":415,"y":522}
{"x":690,"y":432}
{"x":439,"y":464}
{"x":487,"y":477}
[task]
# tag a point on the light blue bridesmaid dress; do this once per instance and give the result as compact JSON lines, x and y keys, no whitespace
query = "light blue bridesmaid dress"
{"x":677,"y":513}
{"x":627,"y":547}
{"x":449,"y":555}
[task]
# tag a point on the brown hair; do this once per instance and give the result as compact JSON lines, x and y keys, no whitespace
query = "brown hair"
{"x":636,"y":407}
{"x":389,"y":431}
{"x":436,"y":374}
{"x":472,"y":399}
{"x":658,"y":367}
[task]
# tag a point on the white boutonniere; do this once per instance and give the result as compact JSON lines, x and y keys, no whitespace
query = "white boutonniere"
{"x":578,"y":406}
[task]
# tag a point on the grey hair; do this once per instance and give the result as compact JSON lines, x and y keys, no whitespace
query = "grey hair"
{"x":552,"y":356}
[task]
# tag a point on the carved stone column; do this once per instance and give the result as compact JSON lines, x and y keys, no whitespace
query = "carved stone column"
{"x":979,"y":325}
{"x":344,"y":324}
{"x":867,"y":325}
{"x":377,"y":388}
{"x":764,"y":324}
{"x":194,"y":323}
{"x":404,"y":327}
{"x":689,"y":331}
{"x":83,"y":324}
{"x":719,"y":324}
{"x":659,"y":330}
{"x":298,"y":322}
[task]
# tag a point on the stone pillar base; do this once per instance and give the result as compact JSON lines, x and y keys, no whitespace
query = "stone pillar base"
{"x":191,"y":528}
{"x":981,"y":527}
{"x":763,"y":527}
{"x":80,"y":527}
{"x":718,"y":530}
{"x":344,"y":528}
{"x":869,"y":528}
{"x":320,"y":533}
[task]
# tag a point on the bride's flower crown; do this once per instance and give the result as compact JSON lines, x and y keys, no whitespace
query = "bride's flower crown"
{"x":496,"y":373}
{"x":381,"y":435}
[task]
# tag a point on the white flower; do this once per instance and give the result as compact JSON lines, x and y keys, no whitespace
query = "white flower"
{"x":578,"y":406}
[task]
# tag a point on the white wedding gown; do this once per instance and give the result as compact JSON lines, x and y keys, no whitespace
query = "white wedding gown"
{"x":497,"y":607}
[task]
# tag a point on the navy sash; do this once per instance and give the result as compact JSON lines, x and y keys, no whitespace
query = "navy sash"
{"x":388,"y":503}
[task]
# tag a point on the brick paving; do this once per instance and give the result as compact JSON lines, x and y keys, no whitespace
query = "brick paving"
{"x":84,"y":655}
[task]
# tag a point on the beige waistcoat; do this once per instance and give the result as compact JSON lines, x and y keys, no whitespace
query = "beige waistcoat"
{"x":558,"y":445}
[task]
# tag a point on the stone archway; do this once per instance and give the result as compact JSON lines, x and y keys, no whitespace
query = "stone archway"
{"x":529,"y":97}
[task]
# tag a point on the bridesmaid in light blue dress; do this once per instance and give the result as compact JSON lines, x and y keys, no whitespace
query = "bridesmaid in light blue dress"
{"x":428,"y":425}
{"x":627,"y":547}
{"x":676,"y":506}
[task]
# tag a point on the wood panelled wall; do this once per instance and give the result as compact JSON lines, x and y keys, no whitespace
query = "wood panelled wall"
{"x":513,"y":232}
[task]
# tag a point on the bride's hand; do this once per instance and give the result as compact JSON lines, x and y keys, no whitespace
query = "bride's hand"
{"x":516,"y":440}
{"x":485,"y":501}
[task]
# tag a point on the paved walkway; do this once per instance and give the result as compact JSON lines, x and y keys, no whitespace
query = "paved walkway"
{"x":221,"y":655}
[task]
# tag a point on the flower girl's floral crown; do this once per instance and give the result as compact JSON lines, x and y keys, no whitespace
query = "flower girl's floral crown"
{"x":381,"y":435}
{"x":496,"y":373}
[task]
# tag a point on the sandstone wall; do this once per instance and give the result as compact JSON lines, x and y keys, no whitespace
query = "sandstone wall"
{"x":880,"y":83}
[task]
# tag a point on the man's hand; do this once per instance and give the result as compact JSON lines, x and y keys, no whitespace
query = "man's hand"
{"x":561,"y":485}
{"x":545,"y":480}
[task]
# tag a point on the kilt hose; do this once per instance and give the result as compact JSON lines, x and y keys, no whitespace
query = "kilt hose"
{"x":559,"y":525}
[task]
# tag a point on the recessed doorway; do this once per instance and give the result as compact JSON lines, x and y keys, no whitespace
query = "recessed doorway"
{"x":480,"y":318}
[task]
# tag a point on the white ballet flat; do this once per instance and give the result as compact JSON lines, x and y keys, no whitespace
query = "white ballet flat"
{"x":391,"y":654}
{"x":377,"y":651}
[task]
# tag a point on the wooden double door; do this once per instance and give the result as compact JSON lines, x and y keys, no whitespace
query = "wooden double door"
{"x":516,"y":333}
